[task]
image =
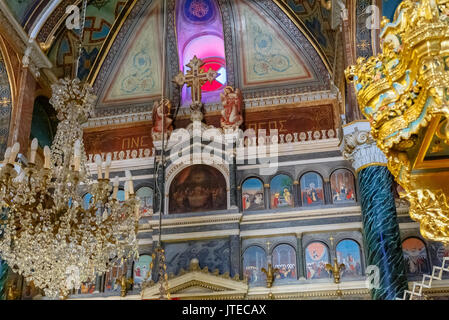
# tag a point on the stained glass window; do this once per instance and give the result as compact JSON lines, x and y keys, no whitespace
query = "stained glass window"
{"x":200,"y":33}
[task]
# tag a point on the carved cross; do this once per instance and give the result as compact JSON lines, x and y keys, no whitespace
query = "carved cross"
{"x":195,"y":78}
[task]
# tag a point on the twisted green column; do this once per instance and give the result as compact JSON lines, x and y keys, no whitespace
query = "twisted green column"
{"x":381,"y":232}
{"x":3,"y":275}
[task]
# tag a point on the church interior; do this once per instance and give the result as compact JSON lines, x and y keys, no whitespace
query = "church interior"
{"x":224,"y":149}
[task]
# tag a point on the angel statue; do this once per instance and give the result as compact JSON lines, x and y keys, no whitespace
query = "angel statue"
{"x":232,"y":101}
{"x":161,"y":118}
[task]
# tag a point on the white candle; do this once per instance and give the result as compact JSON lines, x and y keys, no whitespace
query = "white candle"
{"x":47,"y":156}
{"x":34,"y":145}
{"x":99,"y":164}
{"x":129,"y":179}
{"x":107,"y":165}
{"x":115,"y":192}
{"x":126,"y":190}
{"x":77,"y":155}
{"x":14,"y":151}
{"x":137,"y":211}
{"x":7,"y":155}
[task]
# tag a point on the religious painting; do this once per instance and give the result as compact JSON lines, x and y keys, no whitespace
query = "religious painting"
{"x":415,"y":256}
{"x":254,"y":259}
{"x":252,"y":195}
{"x":87,"y":287}
{"x":213,"y":254}
{"x":342,"y":185}
{"x":312,"y":189}
{"x":284,"y":258}
{"x":317,"y":256}
{"x":198,"y":188}
{"x":145,"y":195}
{"x":110,"y":280}
{"x":281,"y":190}
{"x":348,"y":253}
{"x":142,"y":271}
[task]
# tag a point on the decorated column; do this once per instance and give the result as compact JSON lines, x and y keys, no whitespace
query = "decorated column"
{"x":300,"y":257}
{"x":267,"y":196}
{"x":297,"y":194}
{"x":380,"y":226}
{"x":234,"y":255}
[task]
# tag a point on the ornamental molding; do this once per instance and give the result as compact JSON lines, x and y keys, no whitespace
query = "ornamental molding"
{"x":195,"y":221}
{"x":143,"y":112}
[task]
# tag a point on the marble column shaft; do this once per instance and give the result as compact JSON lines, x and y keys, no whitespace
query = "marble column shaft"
{"x":381,"y":232}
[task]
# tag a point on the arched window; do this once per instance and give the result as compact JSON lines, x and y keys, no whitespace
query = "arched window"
{"x":281,"y":191}
{"x":110,"y":283}
{"x":342,"y":185}
{"x":348,"y":253}
{"x":199,"y":30}
{"x":198,"y":188}
{"x":254,"y":258}
{"x":145,"y":195}
{"x":142,"y":271}
{"x":317,"y":256}
{"x":284,"y":258}
{"x":252,"y":194}
{"x":312,"y":189}
{"x":415,"y":256}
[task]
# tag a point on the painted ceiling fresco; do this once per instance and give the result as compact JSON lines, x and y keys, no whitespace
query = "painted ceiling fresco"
{"x":317,"y":20}
{"x":98,"y":24}
{"x":21,"y":9}
{"x":138,"y":75}
{"x":267,"y":55}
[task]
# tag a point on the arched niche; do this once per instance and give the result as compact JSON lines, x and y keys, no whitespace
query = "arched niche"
{"x":142,"y":271}
{"x":284,"y":258}
{"x":343,"y":186}
{"x":281,"y":191}
{"x":252,"y":194}
{"x":254,"y":259}
{"x":111,"y":277}
{"x":146,"y":196}
{"x":198,"y":188}
{"x":316,"y":258}
{"x":348,"y":253}
{"x":415,"y":256}
{"x":312,"y":191}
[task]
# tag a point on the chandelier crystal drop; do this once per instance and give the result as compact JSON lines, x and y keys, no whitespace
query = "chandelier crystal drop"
{"x":47,"y":234}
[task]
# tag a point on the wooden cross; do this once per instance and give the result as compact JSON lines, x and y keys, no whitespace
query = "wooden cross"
{"x":195,"y":78}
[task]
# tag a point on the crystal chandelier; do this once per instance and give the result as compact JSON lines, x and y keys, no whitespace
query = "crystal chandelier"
{"x":48,"y":236}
